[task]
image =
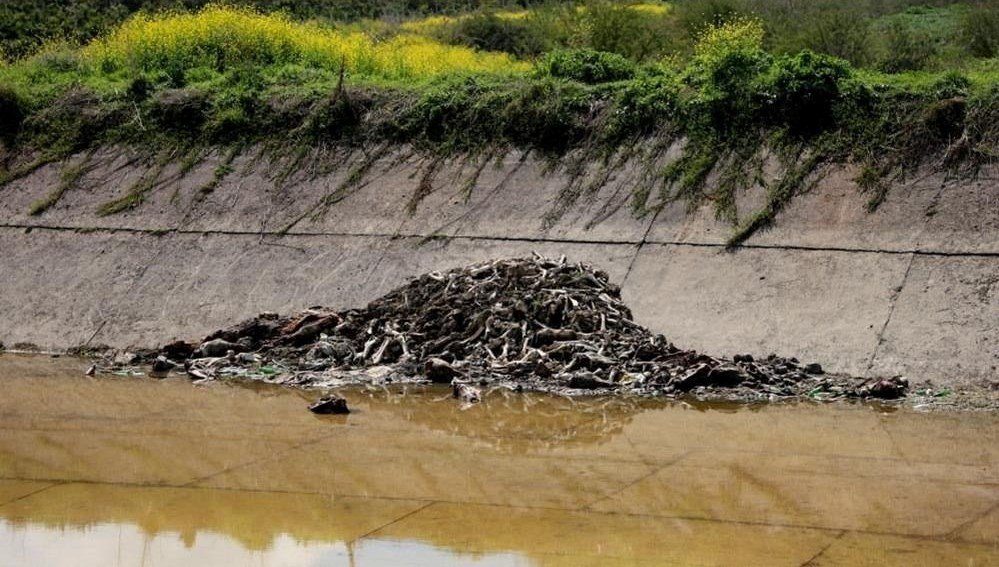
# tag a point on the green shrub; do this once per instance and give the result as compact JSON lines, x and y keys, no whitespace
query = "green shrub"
{"x":945,"y":119}
{"x":906,"y":49}
{"x":75,"y":119}
{"x":728,"y":65}
{"x":587,"y":66}
{"x":842,"y":33}
{"x":980,"y":30}
{"x":452,"y":112}
{"x":645,"y":104}
{"x":803,"y":88}
{"x":546,"y":115}
{"x":180,"y":110}
{"x":952,"y":84}
{"x":635,"y":34}
{"x":695,"y":16}
{"x":489,"y":32}
{"x":11,"y":114}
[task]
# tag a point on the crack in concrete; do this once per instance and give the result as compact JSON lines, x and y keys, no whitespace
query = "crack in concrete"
{"x":892,"y":302}
{"x":812,"y":561}
{"x":641,"y":244}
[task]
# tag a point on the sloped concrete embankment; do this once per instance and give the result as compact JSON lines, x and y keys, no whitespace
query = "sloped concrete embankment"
{"x":912,"y":288}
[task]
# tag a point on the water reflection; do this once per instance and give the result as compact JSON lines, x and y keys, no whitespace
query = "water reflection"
{"x":119,"y":471}
{"x":108,"y":544}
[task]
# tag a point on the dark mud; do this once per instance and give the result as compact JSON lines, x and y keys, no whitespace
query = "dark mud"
{"x":533,"y":324}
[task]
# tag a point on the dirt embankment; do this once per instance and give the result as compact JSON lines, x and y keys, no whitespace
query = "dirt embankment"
{"x":909,"y":289}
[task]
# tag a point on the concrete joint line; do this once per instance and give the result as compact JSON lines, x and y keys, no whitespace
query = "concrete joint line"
{"x":393,"y":522}
{"x":83,"y":230}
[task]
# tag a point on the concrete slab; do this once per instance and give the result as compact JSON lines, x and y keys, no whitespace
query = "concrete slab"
{"x":11,"y":490}
{"x":855,"y":441}
{"x":834,"y":215}
{"x":198,"y":283}
{"x":965,"y":218}
{"x":354,"y":465}
{"x":246,"y":200}
{"x":945,"y":323}
{"x":124,"y":457}
{"x":762,"y":493}
{"x":375,"y":203}
{"x":878,"y":551}
{"x":983,"y":530}
{"x":60,"y":288}
{"x":763,"y":301}
{"x":590,"y":538}
{"x":109,"y":174}
{"x":523,"y":196}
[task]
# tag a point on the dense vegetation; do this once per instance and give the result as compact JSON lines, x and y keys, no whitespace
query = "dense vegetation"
{"x":601,"y":81}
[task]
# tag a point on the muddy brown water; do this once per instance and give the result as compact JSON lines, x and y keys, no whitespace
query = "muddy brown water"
{"x":138,"y":471}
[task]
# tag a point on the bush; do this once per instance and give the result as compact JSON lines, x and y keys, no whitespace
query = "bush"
{"x":223,"y":38}
{"x":695,"y":16}
{"x":628,"y":31}
{"x":980,"y":30}
{"x":907,"y":50}
{"x":587,"y":66}
{"x":11,"y":114}
{"x":803,"y":88}
{"x":545,"y":115}
{"x":489,"y":32}
{"x":728,"y":64}
{"x":180,"y":110}
{"x":951,"y":84}
{"x":644,"y":104}
{"x":843,"y":33}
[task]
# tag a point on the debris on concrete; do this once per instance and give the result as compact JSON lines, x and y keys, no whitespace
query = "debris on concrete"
{"x":528,"y":324}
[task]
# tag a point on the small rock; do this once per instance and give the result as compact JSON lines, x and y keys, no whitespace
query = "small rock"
{"x":218,"y":347}
{"x":330,"y":405}
{"x":247,"y":358}
{"x":814,"y":368}
{"x":744,"y":358}
{"x":466,"y":393}
{"x":590,"y":381}
{"x":693,"y":378}
{"x":726,"y":375}
{"x":178,"y":350}
{"x":889,"y":389}
{"x":92,"y":370}
{"x":124,"y":358}
{"x":342,"y":350}
{"x":321,"y":349}
{"x":440,"y":371}
{"x":161,"y":364}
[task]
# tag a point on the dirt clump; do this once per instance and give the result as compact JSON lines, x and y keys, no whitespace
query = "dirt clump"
{"x":527,"y":324}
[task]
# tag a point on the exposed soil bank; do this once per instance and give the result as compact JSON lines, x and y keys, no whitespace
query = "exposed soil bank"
{"x":911,"y":289}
